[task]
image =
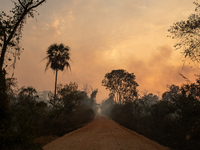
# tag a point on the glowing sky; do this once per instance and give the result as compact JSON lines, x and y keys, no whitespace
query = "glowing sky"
{"x":104,"y":35}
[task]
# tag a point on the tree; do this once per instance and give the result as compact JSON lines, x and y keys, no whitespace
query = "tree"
{"x":27,"y":114}
{"x":58,"y":59}
{"x":29,"y":93}
{"x":11,"y":27}
{"x":188,"y":34}
{"x":122,"y":84}
{"x":68,"y":96}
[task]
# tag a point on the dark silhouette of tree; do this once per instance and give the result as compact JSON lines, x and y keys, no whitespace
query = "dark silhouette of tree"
{"x":11,"y":27}
{"x":58,"y":59}
{"x":122,"y":84}
{"x":173,"y":120}
{"x":188,"y":35}
{"x":28,"y":92}
{"x":69,"y":96}
{"x":70,"y":109}
{"x":27,"y":115}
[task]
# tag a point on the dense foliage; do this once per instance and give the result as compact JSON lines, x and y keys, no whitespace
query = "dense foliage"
{"x":121,"y":84}
{"x":173,"y":120}
{"x":11,"y":27}
{"x":31,"y":118}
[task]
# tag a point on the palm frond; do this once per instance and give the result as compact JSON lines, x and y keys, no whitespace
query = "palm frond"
{"x":58,"y":57}
{"x":47,"y":65}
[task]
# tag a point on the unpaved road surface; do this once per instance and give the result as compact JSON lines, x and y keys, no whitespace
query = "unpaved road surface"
{"x":103,"y":134}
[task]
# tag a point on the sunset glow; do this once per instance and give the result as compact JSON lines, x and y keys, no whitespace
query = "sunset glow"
{"x":104,"y":35}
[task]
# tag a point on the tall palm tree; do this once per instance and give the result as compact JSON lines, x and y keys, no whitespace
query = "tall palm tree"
{"x":58,"y":59}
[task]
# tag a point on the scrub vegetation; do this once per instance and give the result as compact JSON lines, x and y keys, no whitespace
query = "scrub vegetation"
{"x":26,"y":122}
{"x":32,"y":121}
{"x":172,"y":120}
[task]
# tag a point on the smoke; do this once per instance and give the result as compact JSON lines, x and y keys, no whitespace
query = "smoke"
{"x":160,"y":70}
{"x":104,"y":35}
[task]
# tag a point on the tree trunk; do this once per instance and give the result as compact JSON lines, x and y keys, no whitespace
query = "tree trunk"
{"x":4,"y":103}
{"x":55,"y":88}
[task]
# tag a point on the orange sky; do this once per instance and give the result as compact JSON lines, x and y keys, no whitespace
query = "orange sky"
{"x":104,"y":35}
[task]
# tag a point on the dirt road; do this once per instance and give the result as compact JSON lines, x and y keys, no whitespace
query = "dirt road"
{"x":103,"y":134}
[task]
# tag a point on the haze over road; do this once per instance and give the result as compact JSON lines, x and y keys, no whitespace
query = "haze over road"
{"x":103,"y":134}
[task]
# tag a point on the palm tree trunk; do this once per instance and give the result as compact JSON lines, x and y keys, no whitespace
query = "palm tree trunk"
{"x":55,"y":89}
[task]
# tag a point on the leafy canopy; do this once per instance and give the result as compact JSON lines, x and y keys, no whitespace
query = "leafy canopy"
{"x":121,"y":84}
{"x":58,"y":57}
{"x":188,"y":35}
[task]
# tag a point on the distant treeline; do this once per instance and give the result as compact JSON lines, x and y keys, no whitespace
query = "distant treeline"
{"x":173,"y":120}
{"x":29,"y":119}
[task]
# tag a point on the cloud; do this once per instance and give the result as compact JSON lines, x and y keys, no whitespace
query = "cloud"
{"x":105,"y":35}
{"x":55,"y":26}
{"x":69,"y":19}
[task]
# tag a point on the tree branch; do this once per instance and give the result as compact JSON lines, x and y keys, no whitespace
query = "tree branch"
{"x":10,"y":36}
{"x":21,"y":4}
{"x":36,"y":5}
{"x":3,"y":51}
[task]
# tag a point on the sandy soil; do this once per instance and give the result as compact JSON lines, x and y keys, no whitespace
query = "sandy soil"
{"x":103,"y":134}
